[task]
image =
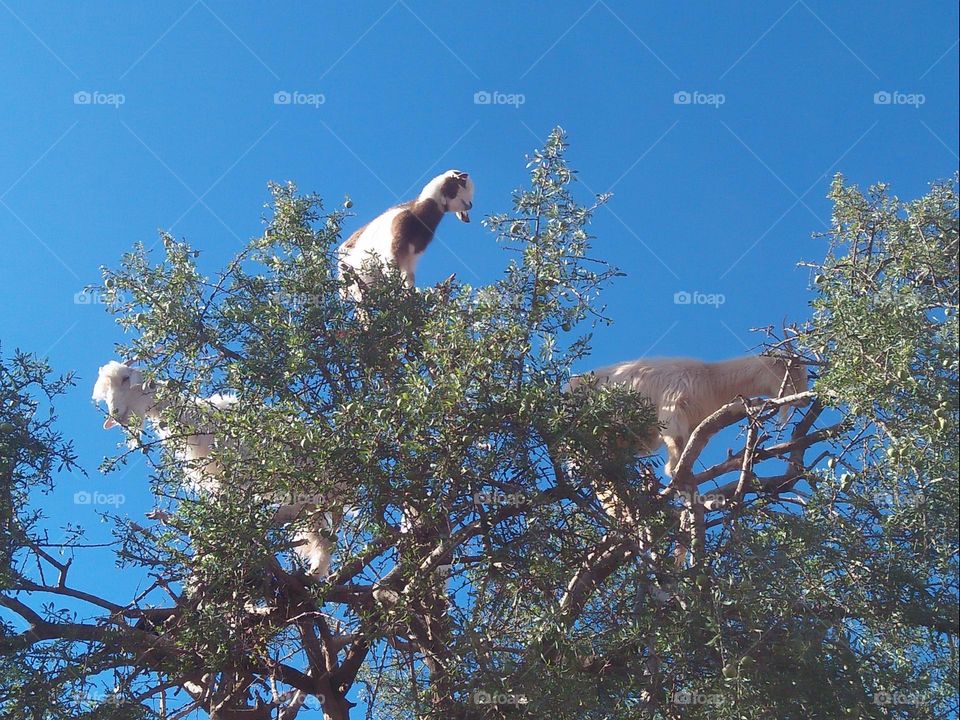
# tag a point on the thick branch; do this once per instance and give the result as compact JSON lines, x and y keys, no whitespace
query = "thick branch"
{"x":729,"y":414}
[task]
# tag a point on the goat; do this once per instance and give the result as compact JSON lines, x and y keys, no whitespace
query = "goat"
{"x":685,"y":391}
{"x":127,"y":393}
{"x":400,"y":235}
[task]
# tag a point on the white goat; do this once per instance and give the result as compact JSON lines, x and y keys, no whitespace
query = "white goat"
{"x":685,"y":392}
{"x":400,"y":235}
{"x":126,"y":394}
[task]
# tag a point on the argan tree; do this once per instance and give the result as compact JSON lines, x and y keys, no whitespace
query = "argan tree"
{"x":477,"y":573}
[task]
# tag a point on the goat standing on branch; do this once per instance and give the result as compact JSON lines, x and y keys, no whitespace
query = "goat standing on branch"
{"x":400,"y":235}
{"x":127,"y":393}
{"x":685,"y":391}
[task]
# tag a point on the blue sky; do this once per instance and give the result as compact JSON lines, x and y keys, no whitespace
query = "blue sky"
{"x":118,"y":119}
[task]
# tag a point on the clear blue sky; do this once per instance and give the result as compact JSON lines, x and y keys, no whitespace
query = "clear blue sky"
{"x":718,"y":195}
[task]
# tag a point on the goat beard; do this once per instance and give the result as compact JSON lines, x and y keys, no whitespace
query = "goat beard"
{"x":463,"y":216}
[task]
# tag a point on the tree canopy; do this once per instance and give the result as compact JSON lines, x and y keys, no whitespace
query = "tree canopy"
{"x":482,"y":569}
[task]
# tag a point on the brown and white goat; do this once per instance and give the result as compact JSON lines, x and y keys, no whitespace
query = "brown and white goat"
{"x":400,"y":235}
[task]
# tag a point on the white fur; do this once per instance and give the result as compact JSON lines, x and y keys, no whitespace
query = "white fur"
{"x":685,"y":392}
{"x":376,"y":241}
{"x":375,"y":246}
{"x":121,"y":387}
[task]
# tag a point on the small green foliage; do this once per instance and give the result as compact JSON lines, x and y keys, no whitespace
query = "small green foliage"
{"x":440,"y":418}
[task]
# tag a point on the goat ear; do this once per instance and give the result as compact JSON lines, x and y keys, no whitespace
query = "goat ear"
{"x":109,"y":423}
{"x":461,"y":178}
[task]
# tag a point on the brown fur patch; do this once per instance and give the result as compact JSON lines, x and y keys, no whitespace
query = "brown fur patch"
{"x":451,"y":186}
{"x":414,"y":227}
